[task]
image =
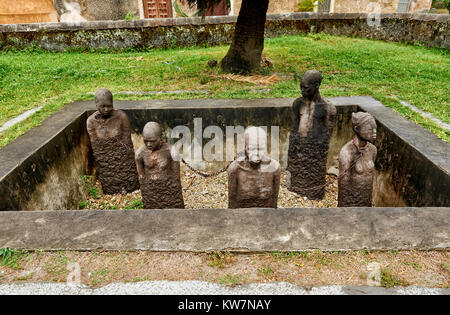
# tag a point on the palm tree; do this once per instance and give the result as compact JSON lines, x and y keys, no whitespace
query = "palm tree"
{"x":244,"y":55}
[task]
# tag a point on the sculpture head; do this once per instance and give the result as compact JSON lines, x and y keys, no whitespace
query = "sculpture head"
{"x":104,"y":102}
{"x":152,"y":136}
{"x":310,"y":83}
{"x":255,"y":145}
{"x":364,"y":126}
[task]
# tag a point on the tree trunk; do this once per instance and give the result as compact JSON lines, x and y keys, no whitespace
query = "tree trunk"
{"x":244,"y":55}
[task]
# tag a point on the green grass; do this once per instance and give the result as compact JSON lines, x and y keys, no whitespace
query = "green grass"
{"x":389,"y":280}
{"x":12,"y":258}
{"x":219,"y":259}
{"x":388,"y":71}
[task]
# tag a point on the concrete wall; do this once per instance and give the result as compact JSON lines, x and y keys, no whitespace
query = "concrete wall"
{"x":428,"y":29}
{"x":27,"y":11}
{"x":368,"y":6}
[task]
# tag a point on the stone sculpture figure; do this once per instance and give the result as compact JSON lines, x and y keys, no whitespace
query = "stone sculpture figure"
{"x":110,"y":135}
{"x":313,"y":123}
{"x":357,"y":163}
{"x":159,"y":173}
{"x":254,"y":179}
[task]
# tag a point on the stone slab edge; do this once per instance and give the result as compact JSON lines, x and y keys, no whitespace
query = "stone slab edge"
{"x":239,"y":230}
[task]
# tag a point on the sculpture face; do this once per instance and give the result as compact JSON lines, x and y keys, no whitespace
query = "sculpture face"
{"x":104,"y":102}
{"x":153,"y":143}
{"x":309,"y":88}
{"x":368,"y":130}
{"x":152,"y":136}
{"x":310,"y":83}
{"x":255,"y":145}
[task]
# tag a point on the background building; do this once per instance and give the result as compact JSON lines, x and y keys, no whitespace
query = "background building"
{"x":27,"y":11}
{"x":33,"y":11}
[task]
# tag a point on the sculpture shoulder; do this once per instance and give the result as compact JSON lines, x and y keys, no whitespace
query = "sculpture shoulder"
{"x":91,"y":121}
{"x":347,"y":151}
{"x":275,"y":166}
{"x":234,"y":166}
{"x":166,"y":151}
{"x":373,"y":149}
{"x":331,"y":108}
{"x":298,"y":103}
{"x":140,"y":152}
{"x":121,"y":114}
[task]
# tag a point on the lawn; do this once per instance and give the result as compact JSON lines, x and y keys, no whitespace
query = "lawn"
{"x":389,"y":72}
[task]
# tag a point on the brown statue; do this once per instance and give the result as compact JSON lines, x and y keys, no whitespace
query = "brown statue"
{"x":159,"y":173}
{"x":254,"y":179}
{"x":313,"y":122}
{"x":110,"y":134}
{"x":356,"y":163}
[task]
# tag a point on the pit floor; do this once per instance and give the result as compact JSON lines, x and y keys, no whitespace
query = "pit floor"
{"x":208,"y":193}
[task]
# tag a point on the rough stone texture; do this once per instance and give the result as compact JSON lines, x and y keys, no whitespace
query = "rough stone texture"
{"x":307,"y":159}
{"x":246,"y":230}
{"x":161,"y":183}
{"x":412,"y":167}
{"x":113,"y":152}
{"x":428,"y":29}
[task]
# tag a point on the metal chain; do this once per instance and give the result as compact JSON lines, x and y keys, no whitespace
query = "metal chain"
{"x":206,"y":175}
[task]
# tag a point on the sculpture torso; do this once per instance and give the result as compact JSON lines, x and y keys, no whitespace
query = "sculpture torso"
{"x":159,"y":178}
{"x":356,"y":184}
{"x":308,"y":146}
{"x":105,"y":128}
{"x":113,"y":151}
{"x":253,"y":187}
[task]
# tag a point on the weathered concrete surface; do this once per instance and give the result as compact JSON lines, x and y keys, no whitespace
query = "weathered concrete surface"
{"x":248,"y":230}
{"x":207,"y":288}
{"x":427,"y":29}
{"x":409,"y":160}
{"x":43,"y":168}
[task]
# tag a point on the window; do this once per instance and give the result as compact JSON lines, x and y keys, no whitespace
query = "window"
{"x":157,"y":9}
{"x":403,"y":6}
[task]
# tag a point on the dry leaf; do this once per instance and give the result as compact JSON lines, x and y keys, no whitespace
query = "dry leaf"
{"x":255,"y":79}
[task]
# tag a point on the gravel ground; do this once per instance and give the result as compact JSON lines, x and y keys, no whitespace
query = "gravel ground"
{"x":206,"y":288}
{"x":212,"y":193}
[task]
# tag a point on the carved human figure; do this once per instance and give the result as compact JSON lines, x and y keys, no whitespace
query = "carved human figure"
{"x":313,"y":122}
{"x":110,"y":135}
{"x":356,"y":163}
{"x":254,"y":179}
{"x":159,"y":173}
